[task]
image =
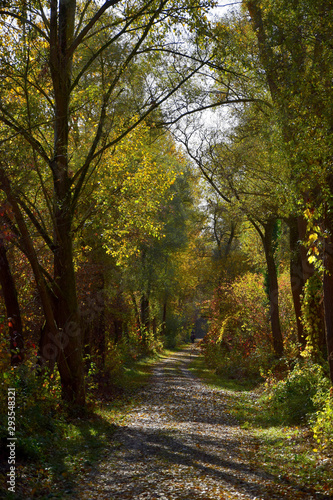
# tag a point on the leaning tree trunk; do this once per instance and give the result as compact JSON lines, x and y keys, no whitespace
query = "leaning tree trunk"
{"x":12,"y":309}
{"x":29,"y":251}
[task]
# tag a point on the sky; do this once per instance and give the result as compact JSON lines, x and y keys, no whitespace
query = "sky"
{"x":224,"y":6}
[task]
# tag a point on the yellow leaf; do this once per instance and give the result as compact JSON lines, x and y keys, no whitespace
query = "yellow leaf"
{"x":313,"y":237}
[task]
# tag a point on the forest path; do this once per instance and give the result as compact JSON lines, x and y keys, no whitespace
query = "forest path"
{"x":179,"y":443}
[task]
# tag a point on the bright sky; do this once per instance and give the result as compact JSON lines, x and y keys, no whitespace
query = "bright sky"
{"x":224,"y":6}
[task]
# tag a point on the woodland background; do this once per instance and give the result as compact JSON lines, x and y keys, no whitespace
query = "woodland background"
{"x":162,"y":168}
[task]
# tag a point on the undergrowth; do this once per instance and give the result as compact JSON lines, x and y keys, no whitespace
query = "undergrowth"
{"x":54,"y":444}
{"x":289,"y":422}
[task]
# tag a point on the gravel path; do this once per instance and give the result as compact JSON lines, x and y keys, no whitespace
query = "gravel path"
{"x":181,"y":443}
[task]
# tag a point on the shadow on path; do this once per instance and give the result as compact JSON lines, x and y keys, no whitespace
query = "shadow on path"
{"x":181,"y":443}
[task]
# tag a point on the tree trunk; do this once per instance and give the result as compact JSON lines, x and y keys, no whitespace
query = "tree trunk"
{"x":307,"y":268}
{"x":230,"y":239}
{"x":154,"y":327}
{"x":145,"y":320}
{"x":164,"y":317}
{"x":100,"y":338}
{"x":136,"y":311}
{"x":328,"y":283}
{"x":118,"y":330}
{"x":328,"y":300}
{"x":29,"y":251}
{"x":296,"y":277}
{"x":273,"y":288}
{"x":47,"y":352}
{"x":315,"y":328}
{"x":70,"y":359}
{"x":12,"y":309}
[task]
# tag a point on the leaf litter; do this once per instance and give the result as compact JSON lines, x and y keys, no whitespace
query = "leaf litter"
{"x":180,"y":442}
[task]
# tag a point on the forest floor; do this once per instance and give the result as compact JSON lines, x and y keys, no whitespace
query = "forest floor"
{"x":180,"y":440}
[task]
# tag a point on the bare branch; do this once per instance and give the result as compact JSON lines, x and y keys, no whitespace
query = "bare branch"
{"x":90,"y":25}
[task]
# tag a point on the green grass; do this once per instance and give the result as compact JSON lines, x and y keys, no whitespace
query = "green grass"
{"x":54,"y":446}
{"x":51,"y":462}
{"x":199,"y":368}
{"x":287,"y":452}
{"x":135,"y":375}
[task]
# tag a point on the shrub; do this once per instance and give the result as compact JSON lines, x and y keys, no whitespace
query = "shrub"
{"x":238,"y":343}
{"x":37,"y":401}
{"x":287,"y":316}
{"x":293,"y":400}
{"x":322,"y":421}
{"x":177,"y":330}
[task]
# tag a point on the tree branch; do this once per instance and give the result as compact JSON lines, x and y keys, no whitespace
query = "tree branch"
{"x":90,"y":25}
{"x":24,"y":20}
{"x":10,"y":121}
{"x":92,"y":155}
{"x":37,"y":225}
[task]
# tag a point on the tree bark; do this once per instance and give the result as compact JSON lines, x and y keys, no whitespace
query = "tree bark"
{"x":70,"y":359}
{"x":328,"y":299}
{"x":307,"y":268}
{"x":328,"y":281}
{"x":136,"y":311}
{"x":273,"y":288}
{"x":29,"y":251}
{"x":316,"y":330}
{"x":118,"y":330}
{"x":12,"y":309}
{"x":164,"y":315}
{"x":296,"y":277}
{"x":145,"y":319}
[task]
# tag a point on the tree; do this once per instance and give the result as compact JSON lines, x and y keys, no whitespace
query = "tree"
{"x":240,"y":166}
{"x":295,"y":52}
{"x":64,"y":89}
{"x":12,"y":308}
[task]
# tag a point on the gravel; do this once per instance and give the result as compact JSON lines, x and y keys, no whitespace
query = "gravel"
{"x":180,"y":442}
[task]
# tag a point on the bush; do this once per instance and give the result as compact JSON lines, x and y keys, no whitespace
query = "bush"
{"x":322,"y":421}
{"x":293,"y":400}
{"x":239,"y":343}
{"x":37,"y":401}
{"x":177,"y":330}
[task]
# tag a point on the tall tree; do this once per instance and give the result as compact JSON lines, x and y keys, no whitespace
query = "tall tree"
{"x":66,"y":68}
{"x":240,"y":166}
{"x":294,"y":44}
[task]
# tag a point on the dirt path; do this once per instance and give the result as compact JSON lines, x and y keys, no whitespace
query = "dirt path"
{"x":181,"y":443}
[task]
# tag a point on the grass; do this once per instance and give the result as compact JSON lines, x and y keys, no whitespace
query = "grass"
{"x":199,"y":368}
{"x":135,"y":375}
{"x":287,"y":452}
{"x":60,"y":446}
